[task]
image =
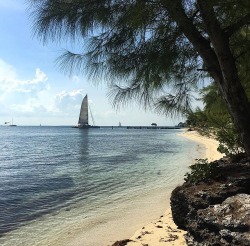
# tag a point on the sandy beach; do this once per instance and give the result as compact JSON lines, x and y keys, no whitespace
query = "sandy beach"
{"x":163,"y":229}
{"x":210,"y":144}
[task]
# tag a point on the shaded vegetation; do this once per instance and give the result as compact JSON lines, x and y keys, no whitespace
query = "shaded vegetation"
{"x":201,"y":171}
{"x":214,"y":121}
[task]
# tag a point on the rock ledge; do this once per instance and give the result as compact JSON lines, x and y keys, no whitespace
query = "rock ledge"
{"x":216,"y":212}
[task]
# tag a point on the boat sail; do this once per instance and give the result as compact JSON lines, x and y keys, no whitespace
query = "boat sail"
{"x":83,"y":121}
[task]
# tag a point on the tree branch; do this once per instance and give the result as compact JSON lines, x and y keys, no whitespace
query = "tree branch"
{"x":195,"y":14}
{"x":200,"y":43}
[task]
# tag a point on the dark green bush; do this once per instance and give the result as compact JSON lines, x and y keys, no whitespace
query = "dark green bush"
{"x":201,"y":171}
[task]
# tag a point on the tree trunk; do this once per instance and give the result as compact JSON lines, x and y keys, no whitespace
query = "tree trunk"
{"x":227,"y":78}
{"x":219,"y":62}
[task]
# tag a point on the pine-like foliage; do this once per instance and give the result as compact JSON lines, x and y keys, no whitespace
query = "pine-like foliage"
{"x":156,"y":51}
{"x":133,"y":45}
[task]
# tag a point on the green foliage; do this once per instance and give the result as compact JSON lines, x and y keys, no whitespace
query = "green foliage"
{"x":135,"y":46}
{"x":214,"y":121}
{"x":218,"y":127}
{"x":229,"y":142}
{"x":201,"y":171}
{"x":157,"y":52}
{"x":197,"y":119}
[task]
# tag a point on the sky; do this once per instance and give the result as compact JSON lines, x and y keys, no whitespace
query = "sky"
{"x":34,"y":91}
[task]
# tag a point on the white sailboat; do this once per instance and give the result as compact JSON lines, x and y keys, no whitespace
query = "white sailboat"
{"x":83,"y":121}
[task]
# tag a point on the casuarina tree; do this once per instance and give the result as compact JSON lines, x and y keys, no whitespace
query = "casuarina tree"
{"x":157,"y":51}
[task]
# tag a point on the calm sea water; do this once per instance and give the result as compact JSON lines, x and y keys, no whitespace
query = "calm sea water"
{"x":47,"y":170}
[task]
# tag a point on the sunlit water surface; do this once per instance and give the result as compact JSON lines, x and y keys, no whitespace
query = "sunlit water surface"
{"x":53,"y":177}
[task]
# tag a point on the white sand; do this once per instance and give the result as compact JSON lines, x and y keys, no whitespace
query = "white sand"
{"x":211,"y":145}
{"x":163,"y":231}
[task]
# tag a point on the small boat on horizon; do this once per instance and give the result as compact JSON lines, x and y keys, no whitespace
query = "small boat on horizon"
{"x":83,"y":122}
{"x":11,"y":123}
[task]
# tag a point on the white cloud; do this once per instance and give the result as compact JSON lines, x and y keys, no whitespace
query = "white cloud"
{"x":40,"y":77}
{"x":35,"y":97}
{"x":46,"y":106}
{"x":10,"y":83}
{"x":68,"y":101}
{"x":24,"y":95}
{"x":71,"y":94}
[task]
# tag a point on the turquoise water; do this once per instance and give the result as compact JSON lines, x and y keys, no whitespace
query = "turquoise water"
{"x":55,"y":175}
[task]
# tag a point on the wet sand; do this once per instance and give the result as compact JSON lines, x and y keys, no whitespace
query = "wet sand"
{"x":163,"y":229}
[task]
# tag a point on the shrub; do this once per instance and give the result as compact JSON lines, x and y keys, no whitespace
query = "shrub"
{"x":201,"y":171}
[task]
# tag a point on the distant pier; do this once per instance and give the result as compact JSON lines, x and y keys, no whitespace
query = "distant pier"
{"x":153,"y":127}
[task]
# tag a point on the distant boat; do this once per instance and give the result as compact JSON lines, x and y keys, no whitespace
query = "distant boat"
{"x":83,"y":121}
{"x":12,"y":123}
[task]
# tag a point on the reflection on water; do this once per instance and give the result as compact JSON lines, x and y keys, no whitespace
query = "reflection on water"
{"x":83,"y":143}
{"x":46,"y":169}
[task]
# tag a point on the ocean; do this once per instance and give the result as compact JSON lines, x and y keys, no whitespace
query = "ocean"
{"x":59,"y":182}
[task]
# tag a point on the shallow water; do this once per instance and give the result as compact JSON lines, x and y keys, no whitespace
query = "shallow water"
{"x":56,"y":178}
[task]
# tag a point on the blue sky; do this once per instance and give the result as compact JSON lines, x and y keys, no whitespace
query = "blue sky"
{"x":34,"y":91}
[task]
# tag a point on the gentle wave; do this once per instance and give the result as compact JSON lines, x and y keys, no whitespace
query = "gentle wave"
{"x":46,"y":169}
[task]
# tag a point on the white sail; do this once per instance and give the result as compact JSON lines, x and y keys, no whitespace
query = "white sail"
{"x":83,"y":117}
{"x":83,"y":121}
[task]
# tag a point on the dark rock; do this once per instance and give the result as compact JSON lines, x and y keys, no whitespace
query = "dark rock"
{"x":122,"y":242}
{"x":159,"y":226}
{"x":216,"y":212}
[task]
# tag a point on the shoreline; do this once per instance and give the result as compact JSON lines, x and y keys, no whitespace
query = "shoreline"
{"x":164,"y":229}
{"x":210,"y":144}
{"x":148,"y":210}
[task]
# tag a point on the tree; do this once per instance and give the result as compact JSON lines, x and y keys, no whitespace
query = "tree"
{"x":215,"y":121}
{"x":157,"y":51}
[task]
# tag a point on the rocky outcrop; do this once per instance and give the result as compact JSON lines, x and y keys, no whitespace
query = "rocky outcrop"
{"x":216,"y":212}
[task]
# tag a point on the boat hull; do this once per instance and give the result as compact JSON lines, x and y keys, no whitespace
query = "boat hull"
{"x":88,"y":127}
{"x":85,"y":127}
